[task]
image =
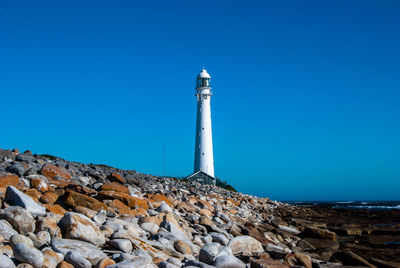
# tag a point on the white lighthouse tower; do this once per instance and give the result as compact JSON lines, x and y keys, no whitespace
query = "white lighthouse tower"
{"x":204,"y":159}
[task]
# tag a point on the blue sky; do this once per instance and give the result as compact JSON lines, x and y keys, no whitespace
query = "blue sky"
{"x":306,"y":93}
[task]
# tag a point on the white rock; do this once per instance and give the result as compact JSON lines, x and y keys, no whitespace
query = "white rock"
{"x":17,"y":198}
{"x":100,"y":217}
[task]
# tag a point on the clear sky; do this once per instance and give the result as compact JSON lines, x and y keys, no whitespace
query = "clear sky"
{"x":306,"y":102}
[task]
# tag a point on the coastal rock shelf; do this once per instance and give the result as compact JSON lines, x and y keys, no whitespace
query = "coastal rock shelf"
{"x":57,"y":213}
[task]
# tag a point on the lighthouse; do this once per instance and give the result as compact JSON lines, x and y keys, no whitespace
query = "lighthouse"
{"x":203,"y":156}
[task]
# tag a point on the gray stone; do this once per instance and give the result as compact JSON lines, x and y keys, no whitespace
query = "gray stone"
{"x":76,"y":259}
{"x":122,"y":244}
{"x":228,"y":261}
{"x":19,"y":218}
{"x":31,"y":255}
{"x":150,"y":227}
{"x":175,"y":261}
{"x":20,"y":239}
{"x":6,"y":262}
{"x":6,"y":230}
{"x":17,"y":198}
{"x":223,"y":216}
{"x":164,"y":208}
{"x":219,"y":238}
{"x":25,"y":158}
{"x":138,"y":259}
{"x":90,"y":252}
{"x":194,"y":263}
{"x":16,"y":168}
{"x":208,"y":252}
{"x":165,"y":264}
{"x":207,"y":239}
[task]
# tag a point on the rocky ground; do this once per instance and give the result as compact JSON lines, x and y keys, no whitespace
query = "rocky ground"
{"x":56,"y":213}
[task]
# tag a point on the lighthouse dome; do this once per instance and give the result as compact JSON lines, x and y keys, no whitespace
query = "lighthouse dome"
{"x":203,"y":74}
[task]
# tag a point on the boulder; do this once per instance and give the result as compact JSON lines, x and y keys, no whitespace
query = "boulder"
{"x":78,"y":226}
{"x":27,"y":254}
{"x":104,"y":263}
{"x":245,"y":245}
{"x":228,"y":261}
{"x":75,"y":199}
{"x":164,"y":208}
{"x":267,"y":263}
{"x":49,"y":224}
{"x":314,"y":232}
{"x":51,"y":258}
{"x":6,"y":230}
{"x":6,"y":262}
{"x":90,"y":252}
{"x":116,"y":178}
{"x":208,"y":252}
{"x":219,"y":238}
{"x":17,"y":198}
{"x":182,"y":247}
{"x":115,"y":186}
{"x":122,"y":244}
{"x":8,"y":180}
{"x":130,"y":201}
{"x":288,"y":229}
{"x":51,"y":171}
{"x":21,"y":220}
{"x":16,"y":168}
{"x":75,"y":258}
{"x":20,"y":239}
{"x":150,"y":227}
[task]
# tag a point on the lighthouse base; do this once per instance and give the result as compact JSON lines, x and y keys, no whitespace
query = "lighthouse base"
{"x":202,"y":178}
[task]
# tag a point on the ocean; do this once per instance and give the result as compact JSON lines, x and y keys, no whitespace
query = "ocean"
{"x":369,"y":205}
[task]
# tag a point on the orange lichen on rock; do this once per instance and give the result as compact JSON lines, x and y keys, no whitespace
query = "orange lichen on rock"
{"x":39,"y":184}
{"x":104,"y":263}
{"x":159,"y":198}
{"x":116,"y":177}
{"x":75,"y":199}
{"x":49,"y":198}
{"x":8,"y":180}
{"x":52,"y":171}
{"x":115,"y":186}
{"x":35,"y":194}
{"x":56,"y":209}
{"x":130,"y":201}
{"x":138,"y":212}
